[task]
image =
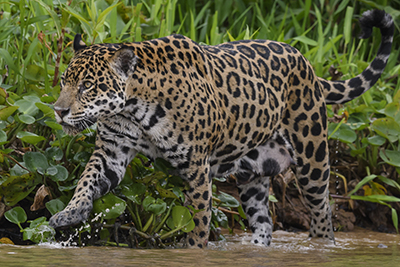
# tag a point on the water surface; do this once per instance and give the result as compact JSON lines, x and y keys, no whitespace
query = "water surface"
{"x":358,"y":248}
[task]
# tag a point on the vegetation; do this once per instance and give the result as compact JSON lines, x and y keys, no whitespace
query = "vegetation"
{"x":38,"y":161}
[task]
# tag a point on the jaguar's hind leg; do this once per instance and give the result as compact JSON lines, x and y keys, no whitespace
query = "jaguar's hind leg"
{"x":254,"y":198}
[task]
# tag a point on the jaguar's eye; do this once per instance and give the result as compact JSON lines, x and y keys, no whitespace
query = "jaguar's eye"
{"x":87,"y":85}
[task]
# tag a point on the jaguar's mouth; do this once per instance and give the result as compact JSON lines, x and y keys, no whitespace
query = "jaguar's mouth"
{"x":77,"y":127}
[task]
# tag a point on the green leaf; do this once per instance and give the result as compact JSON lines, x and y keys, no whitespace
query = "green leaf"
{"x":39,"y":233}
{"x":387,"y":128}
{"x":181,"y":218}
{"x":16,"y":215}
{"x":395,"y":220}
{"x":134,"y":192}
{"x":30,"y":138}
{"x":35,"y":160}
{"x":60,"y":175}
{"x":27,"y":105}
{"x":53,"y":124}
{"x":220,"y":217}
{"x":9,"y":60}
{"x":228,"y":200}
{"x":27,"y":119}
{"x":7,"y":112}
{"x":306,"y":40}
{"x":376,"y":198}
{"x":52,"y":170}
{"x":55,"y":205}
{"x":16,"y":188}
{"x":376,"y":140}
{"x":110,"y":206}
{"x":54,"y":153}
{"x":361,"y":183}
{"x":3,"y":136}
{"x":344,"y":134}
{"x":47,"y":111}
{"x":35,"y":73}
{"x":391,"y":157}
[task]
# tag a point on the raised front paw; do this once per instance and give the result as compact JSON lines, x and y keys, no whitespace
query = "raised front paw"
{"x":70,"y":216}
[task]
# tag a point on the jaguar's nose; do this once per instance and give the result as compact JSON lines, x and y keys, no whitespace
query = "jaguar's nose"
{"x":62,"y":112}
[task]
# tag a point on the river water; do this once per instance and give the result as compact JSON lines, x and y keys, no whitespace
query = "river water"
{"x":358,"y":248}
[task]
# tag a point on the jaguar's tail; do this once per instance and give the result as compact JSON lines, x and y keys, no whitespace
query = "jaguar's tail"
{"x":337,"y":92}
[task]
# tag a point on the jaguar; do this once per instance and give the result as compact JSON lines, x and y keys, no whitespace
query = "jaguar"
{"x":249,"y":108}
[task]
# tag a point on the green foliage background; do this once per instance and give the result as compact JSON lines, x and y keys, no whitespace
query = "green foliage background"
{"x":35,"y":48}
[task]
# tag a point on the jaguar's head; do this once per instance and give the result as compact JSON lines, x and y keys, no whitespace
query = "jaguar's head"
{"x":93,"y":85}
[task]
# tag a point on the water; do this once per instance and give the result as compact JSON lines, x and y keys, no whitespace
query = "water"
{"x":358,"y":248}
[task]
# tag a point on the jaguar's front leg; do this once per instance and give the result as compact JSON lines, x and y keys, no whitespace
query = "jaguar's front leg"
{"x":200,"y":196}
{"x":104,"y":171}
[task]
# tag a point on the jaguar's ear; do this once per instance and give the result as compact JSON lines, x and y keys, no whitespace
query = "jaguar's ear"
{"x":78,"y":43}
{"x":124,"y":61}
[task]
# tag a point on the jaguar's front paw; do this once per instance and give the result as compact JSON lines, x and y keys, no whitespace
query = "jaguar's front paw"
{"x":69,"y":217}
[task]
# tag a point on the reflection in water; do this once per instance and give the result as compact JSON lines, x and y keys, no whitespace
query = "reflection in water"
{"x":359,"y":248}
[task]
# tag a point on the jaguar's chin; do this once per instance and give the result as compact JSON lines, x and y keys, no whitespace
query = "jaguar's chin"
{"x":71,"y":129}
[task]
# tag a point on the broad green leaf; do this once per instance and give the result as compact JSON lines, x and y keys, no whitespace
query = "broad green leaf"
{"x":16,"y":188}
{"x":53,"y":124}
{"x":228,"y":200}
{"x":27,"y":106}
{"x":30,"y":138}
{"x":55,"y":205}
{"x":47,"y":111}
{"x":181,"y":218}
{"x":164,"y":192}
{"x":387,"y":128}
{"x":7,"y":112}
{"x":35,"y":160}
{"x":134,"y":192}
{"x":376,"y":140}
{"x":16,"y":215}
{"x":60,"y":175}
{"x":27,"y":119}
{"x":391,"y":157}
{"x":52,"y":170}
{"x":344,"y":134}
{"x":220,"y":217}
{"x":54,"y":153}
{"x":39,"y":233}
{"x":110,"y":206}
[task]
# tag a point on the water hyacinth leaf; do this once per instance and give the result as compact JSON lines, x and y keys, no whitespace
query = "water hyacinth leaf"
{"x":110,"y":206}
{"x":27,"y":105}
{"x":164,"y":192}
{"x":62,"y":174}
{"x":7,"y":112}
{"x":181,"y":218}
{"x":16,"y":188}
{"x":387,"y":128}
{"x":344,"y":134}
{"x":47,"y":111}
{"x":16,"y":215}
{"x":54,"y":206}
{"x":391,"y":157}
{"x":228,"y":200}
{"x":26,"y":118}
{"x":53,"y":124}
{"x":220,"y":217}
{"x":30,"y":138}
{"x":52,"y":170}
{"x":376,"y":140}
{"x":134,"y":192}
{"x":35,"y":160}
{"x":158,"y":207}
{"x":54,"y":153}
{"x":39,"y":233}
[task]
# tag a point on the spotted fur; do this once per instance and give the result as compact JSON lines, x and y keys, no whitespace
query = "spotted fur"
{"x":208,"y":110}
